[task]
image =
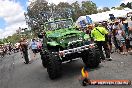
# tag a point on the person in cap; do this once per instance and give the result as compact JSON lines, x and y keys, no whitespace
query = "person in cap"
{"x":114,"y":32}
{"x":109,"y":37}
{"x":89,"y":28}
{"x":24,"y":48}
{"x":98,"y":34}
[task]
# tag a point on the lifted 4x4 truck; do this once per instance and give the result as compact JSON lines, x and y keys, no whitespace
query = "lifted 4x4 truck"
{"x":63,"y":42}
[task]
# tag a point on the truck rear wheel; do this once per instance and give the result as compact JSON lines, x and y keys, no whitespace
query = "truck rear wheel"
{"x":54,"y":67}
{"x":91,"y":57}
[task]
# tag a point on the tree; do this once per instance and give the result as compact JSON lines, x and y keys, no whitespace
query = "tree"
{"x":123,"y":5}
{"x":37,"y":13}
{"x":88,"y":7}
{"x":77,"y":12}
{"x":129,"y":5}
{"x":105,"y":9}
{"x":64,"y":10}
{"x":112,"y":7}
{"x":41,"y":11}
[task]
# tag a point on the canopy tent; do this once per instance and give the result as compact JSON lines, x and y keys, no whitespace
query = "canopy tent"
{"x":104,"y":15}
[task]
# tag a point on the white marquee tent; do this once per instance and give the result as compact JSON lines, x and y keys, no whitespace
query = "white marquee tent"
{"x":104,"y":15}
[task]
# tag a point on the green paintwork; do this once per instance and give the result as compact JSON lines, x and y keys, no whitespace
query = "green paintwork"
{"x":53,"y":43}
{"x":57,"y":36}
{"x":86,"y":36}
{"x":62,"y":32}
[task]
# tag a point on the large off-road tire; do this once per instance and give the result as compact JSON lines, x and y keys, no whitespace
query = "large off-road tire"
{"x":91,"y":57}
{"x":54,"y":67}
{"x":44,"y":59}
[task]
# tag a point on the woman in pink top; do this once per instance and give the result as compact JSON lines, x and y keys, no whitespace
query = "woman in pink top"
{"x":39,"y":45}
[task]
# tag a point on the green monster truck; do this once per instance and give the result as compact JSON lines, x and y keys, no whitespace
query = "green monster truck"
{"x":63,"y":42}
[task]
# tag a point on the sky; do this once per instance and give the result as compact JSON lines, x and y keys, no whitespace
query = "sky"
{"x":12,"y":12}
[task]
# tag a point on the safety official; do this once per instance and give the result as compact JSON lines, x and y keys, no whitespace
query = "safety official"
{"x":98,"y":34}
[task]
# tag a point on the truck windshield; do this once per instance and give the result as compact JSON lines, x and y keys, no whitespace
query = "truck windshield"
{"x":58,"y":24}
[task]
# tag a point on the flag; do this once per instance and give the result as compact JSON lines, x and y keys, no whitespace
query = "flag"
{"x":89,"y":20}
{"x":82,"y":24}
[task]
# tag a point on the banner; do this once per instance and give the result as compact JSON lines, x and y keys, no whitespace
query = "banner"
{"x":89,"y":20}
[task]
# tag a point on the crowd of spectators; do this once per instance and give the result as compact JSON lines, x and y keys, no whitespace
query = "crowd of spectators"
{"x":119,"y":36}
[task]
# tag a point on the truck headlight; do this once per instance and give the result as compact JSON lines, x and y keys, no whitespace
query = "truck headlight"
{"x":80,"y":38}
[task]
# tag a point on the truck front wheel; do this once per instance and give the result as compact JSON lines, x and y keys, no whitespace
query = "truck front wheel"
{"x":91,"y":57}
{"x":54,"y":67}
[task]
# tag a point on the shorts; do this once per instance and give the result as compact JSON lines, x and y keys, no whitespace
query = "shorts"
{"x":34,"y":50}
{"x":121,"y":42}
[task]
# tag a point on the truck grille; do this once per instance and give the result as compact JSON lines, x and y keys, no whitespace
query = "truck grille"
{"x":73,"y":42}
{"x":74,"y":45}
{"x":70,"y":39}
{"x":74,"y":50}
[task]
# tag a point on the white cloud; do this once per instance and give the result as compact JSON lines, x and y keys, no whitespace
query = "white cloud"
{"x":1,"y":31}
{"x":13,"y":14}
{"x":12,"y":29}
{"x":126,"y":1}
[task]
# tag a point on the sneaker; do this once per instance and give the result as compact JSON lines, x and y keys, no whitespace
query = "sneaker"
{"x":109,"y":59}
{"x":121,"y":53}
{"x":25,"y":63}
{"x":112,"y":52}
{"x":29,"y":62}
{"x":125,"y":53}
{"x":130,"y":52}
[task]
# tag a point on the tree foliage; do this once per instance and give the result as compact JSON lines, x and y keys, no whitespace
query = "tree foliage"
{"x":128,"y":5}
{"x":104,"y":9}
{"x":41,"y":11}
{"x":88,"y":7}
{"x":35,"y":14}
{"x":1,"y":42}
